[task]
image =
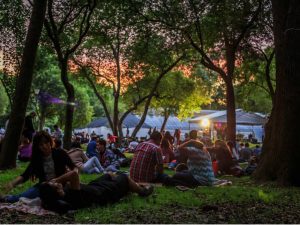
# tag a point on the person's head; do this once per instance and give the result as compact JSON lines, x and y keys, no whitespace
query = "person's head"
{"x":257,"y":146}
{"x":51,"y":195}
{"x":156,"y":137}
{"x":32,"y":114}
{"x":101,"y":145}
{"x":42,"y":145}
{"x":24,"y":140}
{"x":242,"y":144}
{"x":48,"y":194}
{"x":220,"y":144}
{"x":93,"y":137}
{"x":193,"y":134}
{"x":253,"y":160}
{"x":165,"y":143}
{"x":247,"y":145}
{"x":167,"y":134}
{"x":55,"y":127}
{"x":57,"y":143}
{"x":26,"y":137}
{"x":230,"y":144}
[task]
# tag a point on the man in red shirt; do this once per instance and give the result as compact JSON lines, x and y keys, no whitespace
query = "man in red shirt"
{"x":147,"y":162}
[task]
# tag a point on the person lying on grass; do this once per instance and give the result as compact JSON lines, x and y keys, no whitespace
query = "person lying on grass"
{"x":46,"y":164}
{"x":109,"y":188}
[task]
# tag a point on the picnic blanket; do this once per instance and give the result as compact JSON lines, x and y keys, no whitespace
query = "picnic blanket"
{"x":32,"y":206}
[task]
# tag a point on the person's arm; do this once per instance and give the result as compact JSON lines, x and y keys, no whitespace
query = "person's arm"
{"x":71,"y":176}
{"x":84,"y":157}
{"x":183,"y":146}
{"x":20,"y":179}
{"x":11,"y":185}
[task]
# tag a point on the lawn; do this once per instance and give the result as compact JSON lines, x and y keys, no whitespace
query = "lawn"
{"x":242,"y":202}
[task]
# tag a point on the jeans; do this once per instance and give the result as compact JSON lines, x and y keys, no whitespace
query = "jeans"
{"x":30,"y":193}
{"x":112,"y":168}
{"x":92,"y":166}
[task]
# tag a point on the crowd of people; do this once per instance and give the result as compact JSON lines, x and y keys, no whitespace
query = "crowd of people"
{"x":196,"y":161}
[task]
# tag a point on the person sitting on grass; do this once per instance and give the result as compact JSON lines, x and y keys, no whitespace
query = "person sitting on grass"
{"x":226,"y":164}
{"x":91,"y":149}
{"x":25,"y":149}
{"x":147,"y":163}
{"x":46,"y":164}
{"x":132,"y":145}
{"x":199,"y":166}
{"x":76,"y":143}
{"x":245,"y":153}
{"x":167,"y":150}
{"x":252,"y":165}
{"x":107,"y":158}
{"x":83,"y":163}
{"x":109,"y":188}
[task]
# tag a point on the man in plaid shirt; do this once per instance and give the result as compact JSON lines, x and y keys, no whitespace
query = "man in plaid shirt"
{"x":147,"y":162}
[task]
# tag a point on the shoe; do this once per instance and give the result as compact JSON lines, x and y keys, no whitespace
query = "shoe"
{"x":182,"y":188}
{"x":146,"y":191}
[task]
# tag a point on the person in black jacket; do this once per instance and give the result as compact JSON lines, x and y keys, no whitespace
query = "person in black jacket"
{"x":47,"y":163}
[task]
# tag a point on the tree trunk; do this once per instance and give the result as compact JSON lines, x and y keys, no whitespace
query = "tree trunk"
{"x":281,"y":155}
{"x":167,"y":115}
{"x":152,"y":93}
{"x":268,"y":76}
{"x":69,"y":106}
{"x":143,"y":118}
{"x":116,"y":114}
{"x":231,"y":116}
{"x":120,"y":130}
{"x":16,"y":120}
{"x":42,"y":117}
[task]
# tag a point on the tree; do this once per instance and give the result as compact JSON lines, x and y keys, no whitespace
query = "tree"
{"x":178,"y":95}
{"x":255,"y":83}
{"x":9,"y":85}
{"x":67,"y":25}
{"x":13,"y":18}
{"x":10,"y":145}
{"x":215,"y":30}
{"x":280,"y":152}
{"x":3,"y":101}
{"x":115,"y":57}
{"x":46,"y":87}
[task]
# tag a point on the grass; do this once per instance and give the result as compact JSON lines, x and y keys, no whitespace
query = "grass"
{"x":242,"y":202}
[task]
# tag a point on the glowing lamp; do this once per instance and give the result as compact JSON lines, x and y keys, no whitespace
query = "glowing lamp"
{"x":205,"y":122}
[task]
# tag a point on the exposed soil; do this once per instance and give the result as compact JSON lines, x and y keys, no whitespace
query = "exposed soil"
{"x":251,"y":212}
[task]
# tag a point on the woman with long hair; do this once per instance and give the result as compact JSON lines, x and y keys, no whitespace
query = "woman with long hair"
{"x":167,"y":151}
{"x":226,"y":164}
{"x":47,"y":163}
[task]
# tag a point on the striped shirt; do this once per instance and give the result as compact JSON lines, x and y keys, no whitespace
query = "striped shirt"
{"x":200,"y":166}
{"x":146,"y":156}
